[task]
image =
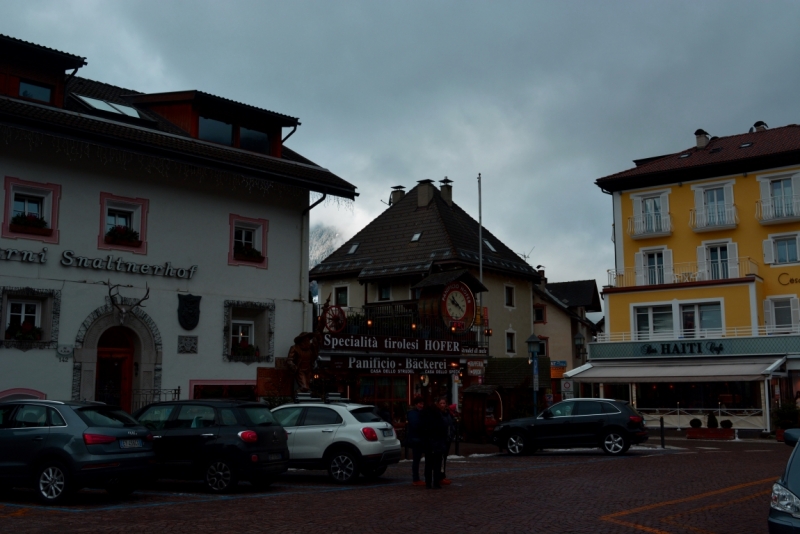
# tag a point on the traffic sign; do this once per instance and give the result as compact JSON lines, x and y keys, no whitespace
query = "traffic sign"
{"x":567,"y":386}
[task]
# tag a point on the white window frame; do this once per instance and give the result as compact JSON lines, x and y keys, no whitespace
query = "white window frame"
{"x":769,"y":248}
{"x":260,"y":229}
{"x":11,"y":300}
{"x":677,"y":323}
{"x":252,"y":328}
{"x":699,"y":332}
{"x":513,"y":289}
{"x":769,"y":314}
{"x":641,"y":269}
{"x":137,"y":207}
{"x":701,"y":222}
{"x":767,"y":214}
{"x":704,"y":259}
{"x":638,"y":213}
{"x":378,"y":290}
{"x":244,"y":227}
{"x":50,"y":195}
{"x":335,"y":299}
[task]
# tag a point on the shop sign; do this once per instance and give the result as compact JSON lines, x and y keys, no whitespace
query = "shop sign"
{"x":784,"y":279}
{"x":477,"y":351}
{"x":475,"y":367}
{"x":698,"y":347}
{"x":23,"y":256}
{"x":394,"y":345}
{"x":557,"y":368}
{"x":397,"y":365}
{"x":69,"y":259}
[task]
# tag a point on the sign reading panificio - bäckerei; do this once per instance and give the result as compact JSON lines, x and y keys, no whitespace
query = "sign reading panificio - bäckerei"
{"x":397,"y":364}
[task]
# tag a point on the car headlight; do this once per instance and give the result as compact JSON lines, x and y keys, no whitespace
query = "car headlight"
{"x":784,"y":500}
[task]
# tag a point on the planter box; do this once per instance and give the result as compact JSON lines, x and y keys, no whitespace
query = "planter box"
{"x":32,"y":230}
{"x":242,"y":257}
{"x":710,"y":433}
{"x":133,"y":243}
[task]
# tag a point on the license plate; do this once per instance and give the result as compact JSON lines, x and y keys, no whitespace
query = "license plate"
{"x":130,"y":443}
{"x":387,"y":432}
{"x":275,"y":456}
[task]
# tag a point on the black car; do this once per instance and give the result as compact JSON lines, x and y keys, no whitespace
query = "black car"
{"x":612,"y":425}
{"x":218,"y":441}
{"x":784,"y":509}
{"x":60,"y":447}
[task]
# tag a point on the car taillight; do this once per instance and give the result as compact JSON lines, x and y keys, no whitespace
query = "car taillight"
{"x":97,"y":439}
{"x":148,"y":437}
{"x":636,"y":419}
{"x":369,"y":433}
{"x":248,"y":436}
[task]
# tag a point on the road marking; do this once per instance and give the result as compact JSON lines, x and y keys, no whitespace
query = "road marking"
{"x":708,"y":448}
{"x":612,"y":518}
{"x":759,"y":450}
{"x":669,"y":519}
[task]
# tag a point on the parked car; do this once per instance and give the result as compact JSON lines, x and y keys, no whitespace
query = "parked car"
{"x":784,"y":506}
{"x":59,"y":447}
{"x":343,"y":438}
{"x":218,"y":441}
{"x":612,"y":425}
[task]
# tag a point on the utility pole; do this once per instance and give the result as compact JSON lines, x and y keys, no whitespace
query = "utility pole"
{"x":480,"y":259}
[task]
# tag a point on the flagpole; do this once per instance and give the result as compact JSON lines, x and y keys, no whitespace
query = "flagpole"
{"x":480,"y":258}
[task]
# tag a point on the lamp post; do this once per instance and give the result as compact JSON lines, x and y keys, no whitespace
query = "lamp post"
{"x":533,"y":349}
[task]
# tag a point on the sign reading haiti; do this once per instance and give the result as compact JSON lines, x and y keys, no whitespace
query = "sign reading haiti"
{"x":397,"y":345}
{"x":389,"y":365}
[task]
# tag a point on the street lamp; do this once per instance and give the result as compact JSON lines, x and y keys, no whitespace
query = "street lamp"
{"x":579,"y":341}
{"x":533,"y":349}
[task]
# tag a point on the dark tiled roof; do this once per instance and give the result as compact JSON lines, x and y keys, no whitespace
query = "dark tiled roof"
{"x":68,"y":60}
{"x":167,"y":144}
{"x":449,"y":237}
{"x":444,"y":278}
{"x":515,"y":372}
{"x":723,"y":155}
{"x":580,"y":293}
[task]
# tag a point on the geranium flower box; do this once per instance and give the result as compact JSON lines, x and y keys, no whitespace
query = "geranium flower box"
{"x":31,"y":230}
{"x":111,"y":240}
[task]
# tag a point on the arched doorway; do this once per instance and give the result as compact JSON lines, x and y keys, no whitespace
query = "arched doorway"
{"x":114,"y":378}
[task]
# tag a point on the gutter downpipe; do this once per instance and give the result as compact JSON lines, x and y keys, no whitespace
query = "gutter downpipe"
{"x":304,"y":244}
{"x":289,"y":135}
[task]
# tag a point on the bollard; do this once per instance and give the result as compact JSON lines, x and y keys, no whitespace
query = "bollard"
{"x":661,"y":421}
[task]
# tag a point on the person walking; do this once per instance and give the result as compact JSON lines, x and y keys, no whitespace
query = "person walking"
{"x":434,"y":437}
{"x":414,"y":438}
{"x":450,"y":423}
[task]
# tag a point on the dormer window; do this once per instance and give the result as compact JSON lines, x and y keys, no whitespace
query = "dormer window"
{"x":415,"y":237}
{"x":215,"y":131}
{"x":489,"y":245}
{"x":253,"y":140}
{"x":36,"y":91}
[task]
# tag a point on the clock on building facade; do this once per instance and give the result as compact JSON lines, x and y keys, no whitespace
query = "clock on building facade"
{"x":458,"y":306}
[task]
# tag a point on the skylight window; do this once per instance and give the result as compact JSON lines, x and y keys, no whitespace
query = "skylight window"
{"x":353,"y":248}
{"x":415,"y":237}
{"x":489,"y":245}
{"x":745,"y":145}
{"x":684,"y":156}
{"x":108,"y":107}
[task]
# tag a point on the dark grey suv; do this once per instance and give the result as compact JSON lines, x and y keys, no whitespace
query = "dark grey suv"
{"x":60,"y":447}
{"x":612,"y":425}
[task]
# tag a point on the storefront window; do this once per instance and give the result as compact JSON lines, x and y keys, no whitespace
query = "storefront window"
{"x":654,"y":322}
{"x":389,"y":394}
{"x":700,"y":395}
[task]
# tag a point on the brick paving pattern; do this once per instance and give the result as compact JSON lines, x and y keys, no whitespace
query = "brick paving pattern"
{"x":691,"y":487}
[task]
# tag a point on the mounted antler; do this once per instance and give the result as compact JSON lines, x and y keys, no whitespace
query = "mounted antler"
{"x":122,"y":308}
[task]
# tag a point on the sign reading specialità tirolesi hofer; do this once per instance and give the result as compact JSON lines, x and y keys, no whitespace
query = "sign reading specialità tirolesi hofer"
{"x":395,"y":345}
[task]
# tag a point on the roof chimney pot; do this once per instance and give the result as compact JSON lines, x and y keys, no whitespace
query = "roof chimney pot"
{"x":760,"y":126}
{"x":447,"y":191}
{"x":702,"y":138}
{"x":397,"y":194}
{"x":424,"y":193}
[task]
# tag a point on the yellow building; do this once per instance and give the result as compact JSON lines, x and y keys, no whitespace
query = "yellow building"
{"x":702,"y":311}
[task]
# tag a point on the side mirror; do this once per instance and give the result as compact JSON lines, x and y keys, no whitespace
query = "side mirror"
{"x":547,"y":414}
{"x":791,"y":436}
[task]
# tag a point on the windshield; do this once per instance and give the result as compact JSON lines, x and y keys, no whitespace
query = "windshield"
{"x":791,"y":479}
{"x":366,"y":415}
{"x":258,"y":415}
{"x":108,"y":417}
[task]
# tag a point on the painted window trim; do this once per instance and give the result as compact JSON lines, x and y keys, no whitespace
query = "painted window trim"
{"x":544,"y":340}
{"x":675,"y":304}
{"x":251,"y":324}
{"x":52,"y":198}
{"x":542,"y":307}
{"x":49,"y":315}
{"x":261,"y":226}
{"x":378,"y":288}
{"x":140,"y":208}
{"x":335,"y":301}
{"x":772,"y":238}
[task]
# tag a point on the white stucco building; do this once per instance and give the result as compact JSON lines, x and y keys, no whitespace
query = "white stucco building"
{"x":109,"y":191}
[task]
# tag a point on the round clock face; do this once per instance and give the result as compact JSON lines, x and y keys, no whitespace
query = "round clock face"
{"x":458,"y":306}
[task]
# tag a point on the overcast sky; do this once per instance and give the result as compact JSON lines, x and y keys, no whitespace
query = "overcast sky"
{"x":541,"y":98}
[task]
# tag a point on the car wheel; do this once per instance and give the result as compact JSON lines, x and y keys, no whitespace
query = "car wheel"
{"x":53,"y":485}
{"x":220,"y":478}
{"x":343,"y":467}
{"x":515,"y":444}
{"x":615,"y":443}
{"x":373,"y":472}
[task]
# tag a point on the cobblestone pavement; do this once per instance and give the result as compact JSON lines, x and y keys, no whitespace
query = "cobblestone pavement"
{"x":691,"y":487}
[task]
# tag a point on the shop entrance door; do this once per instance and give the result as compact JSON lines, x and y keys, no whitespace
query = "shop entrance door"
{"x":114,"y":373}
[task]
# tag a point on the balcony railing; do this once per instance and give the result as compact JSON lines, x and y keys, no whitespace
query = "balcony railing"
{"x":682,"y":273}
{"x":713,"y":218}
{"x":710,"y":333}
{"x":403,"y":319}
{"x":650,"y":225}
{"x":780,"y":209}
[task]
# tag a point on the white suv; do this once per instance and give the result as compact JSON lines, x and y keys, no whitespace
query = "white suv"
{"x":344,"y":438}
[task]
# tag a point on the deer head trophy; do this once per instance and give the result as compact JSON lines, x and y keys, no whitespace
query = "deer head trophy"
{"x":124,"y":309}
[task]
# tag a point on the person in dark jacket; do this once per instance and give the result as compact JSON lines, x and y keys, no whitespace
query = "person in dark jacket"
{"x":450,"y":423}
{"x":434,"y":437}
{"x":414,"y":438}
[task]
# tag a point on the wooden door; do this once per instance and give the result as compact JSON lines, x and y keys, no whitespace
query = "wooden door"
{"x":114,"y":377}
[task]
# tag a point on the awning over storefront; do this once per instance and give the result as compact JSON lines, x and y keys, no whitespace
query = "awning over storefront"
{"x":700,"y":370}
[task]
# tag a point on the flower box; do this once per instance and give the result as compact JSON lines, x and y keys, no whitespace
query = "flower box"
{"x":31,"y":230}
{"x":133,"y":243}
{"x":710,"y":433}
{"x":244,"y":257}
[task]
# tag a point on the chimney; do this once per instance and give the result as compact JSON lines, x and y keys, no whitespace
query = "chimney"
{"x":424,"y":193}
{"x":447,"y":191}
{"x":397,"y":194}
{"x":760,"y":126}
{"x":702,"y":138}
